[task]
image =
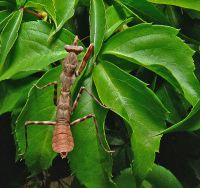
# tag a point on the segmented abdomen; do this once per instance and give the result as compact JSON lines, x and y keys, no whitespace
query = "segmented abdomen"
{"x":62,"y":140}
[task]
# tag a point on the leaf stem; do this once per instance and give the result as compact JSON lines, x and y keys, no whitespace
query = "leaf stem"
{"x":40,"y":16}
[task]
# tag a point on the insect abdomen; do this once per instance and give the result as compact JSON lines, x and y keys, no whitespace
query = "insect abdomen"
{"x":62,"y":140}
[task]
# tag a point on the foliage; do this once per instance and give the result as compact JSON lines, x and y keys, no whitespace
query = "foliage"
{"x":145,"y":69}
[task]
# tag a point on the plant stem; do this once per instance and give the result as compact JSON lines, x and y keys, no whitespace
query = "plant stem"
{"x":40,"y":16}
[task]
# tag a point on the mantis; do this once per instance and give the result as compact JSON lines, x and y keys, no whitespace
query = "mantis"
{"x":62,"y":141}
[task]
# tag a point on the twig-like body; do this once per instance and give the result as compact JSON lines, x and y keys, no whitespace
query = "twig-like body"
{"x":62,"y":141}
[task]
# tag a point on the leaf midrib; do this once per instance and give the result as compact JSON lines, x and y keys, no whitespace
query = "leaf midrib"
{"x":117,"y":93}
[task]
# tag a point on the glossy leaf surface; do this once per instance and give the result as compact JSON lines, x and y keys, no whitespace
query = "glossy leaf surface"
{"x":138,"y":105}
{"x":97,"y":24}
{"x":9,"y":35}
{"x":20,"y":2}
{"x":159,"y":49}
{"x":3,"y":14}
{"x":126,"y":179}
{"x":161,"y":177}
{"x":12,"y":92}
{"x":116,"y":17}
{"x":33,"y":52}
{"x":157,"y":177}
{"x":4,"y":17}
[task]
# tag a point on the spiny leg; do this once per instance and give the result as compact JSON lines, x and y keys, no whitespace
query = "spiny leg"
{"x":85,"y":59}
{"x":55,"y":83}
{"x":89,"y":93}
{"x":40,"y":123}
{"x":96,"y":126}
{"x":27,"y":123}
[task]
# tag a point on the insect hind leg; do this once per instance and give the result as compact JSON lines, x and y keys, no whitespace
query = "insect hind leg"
{"x":97,"y":129}
{"x":27,"y":123}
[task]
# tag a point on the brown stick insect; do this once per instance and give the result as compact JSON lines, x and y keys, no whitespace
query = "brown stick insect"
{"x":62,"y":141}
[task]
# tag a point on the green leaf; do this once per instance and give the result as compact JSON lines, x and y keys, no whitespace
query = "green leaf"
{"x":172,"y":101}
{"x":33,"y":52}
{"x":20,"y":3}
{"x":129,"y":11}
{"x":48,"y":6}
{"x":161,"y":177}
{"x":116,"y":17}
{"x":4,"y":19}
{"x":139,"y":106}
{"x":159,"y":49}
{"x":12,"y":92}
{"x":166,"y":99}
{"x":9,"y":35}
{"x":5,"y":4}
{"x":181,"y":3}
{"x":147,"y":11}
{"x":97,"y":24}
{"x":63,"y":13}
{"x":158,"y":177}
{"x":59,"y":10}
{"x":190,"y":123}
{"x":122,"y":63}
{"x":3,"y":14}
{"x":126,"y":179}
{"x":88,"y":157}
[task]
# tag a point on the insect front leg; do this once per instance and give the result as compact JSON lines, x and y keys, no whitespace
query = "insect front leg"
{"x":55,"y":84}
{"x":96,"y":126}
{"x":85,"y":59}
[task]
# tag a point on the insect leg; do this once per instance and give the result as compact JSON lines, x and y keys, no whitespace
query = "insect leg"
{"x":55,"y":83}
{"x":96,"y":126}
{"x":85,"y":59}
{"x":27,"y":123}
{"x":89,"y":93}
{"x":40,"y":123}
